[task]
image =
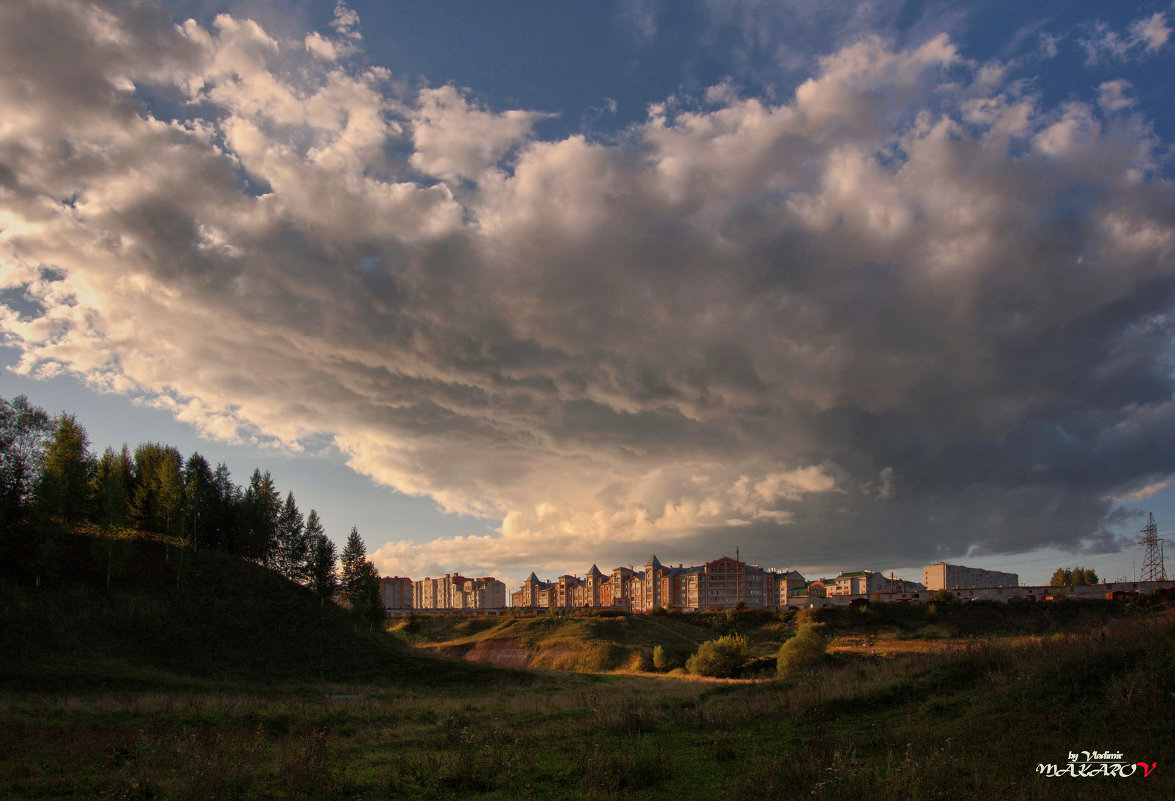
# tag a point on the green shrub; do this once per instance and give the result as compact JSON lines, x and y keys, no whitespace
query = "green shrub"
{"x":721,"y":657}
{"x":805,"y":649}
{"x":661,"y":660}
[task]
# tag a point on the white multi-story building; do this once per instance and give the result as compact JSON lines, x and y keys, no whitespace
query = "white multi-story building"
{"x":941,"y":576}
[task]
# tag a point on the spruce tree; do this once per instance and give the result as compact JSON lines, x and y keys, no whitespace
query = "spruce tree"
{"x":292,"y":547}
{"x":224,"y":531}
{"x":321,"y":574}
{"x":360,"y":581}
{"x":260,"y":508}
{"x":350,"y":563}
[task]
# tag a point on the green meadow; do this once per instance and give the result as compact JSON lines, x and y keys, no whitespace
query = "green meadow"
{"x":212,"y":678}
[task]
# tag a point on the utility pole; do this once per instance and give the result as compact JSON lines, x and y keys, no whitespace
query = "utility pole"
{"x":1153,"y":567}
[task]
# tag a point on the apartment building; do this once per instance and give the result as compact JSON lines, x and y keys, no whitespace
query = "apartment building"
{"x":940,"y":576}
{"x":396,"y":592}
{"x":720,"y":584}
{"x":858,"y":582}
{"x":458,"y":592}
{"x":788,"y":585}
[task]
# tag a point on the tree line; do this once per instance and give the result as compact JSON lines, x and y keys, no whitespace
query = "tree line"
{"x":51,"y":483}
{"x":1074,"y":577}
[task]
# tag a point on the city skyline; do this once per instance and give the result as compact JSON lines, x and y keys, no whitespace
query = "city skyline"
{"x":511,"y":288}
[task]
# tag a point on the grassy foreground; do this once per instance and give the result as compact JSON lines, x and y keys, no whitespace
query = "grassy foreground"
{"x":965,"y":723}
{"x":170,"y":715}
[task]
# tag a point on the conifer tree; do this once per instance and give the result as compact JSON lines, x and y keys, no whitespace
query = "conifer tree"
{"x":360,"y":581}
{"x":292,"y":547}
{"x":224,"y":531}
{"x":353,"y":556}
{"x":367,"y":601}
{"x":321,"y":573}
{"x":260,"y":508}
{"x":200,"y":498}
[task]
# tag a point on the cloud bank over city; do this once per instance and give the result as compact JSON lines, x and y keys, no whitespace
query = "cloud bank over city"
{"x":908,"y":311}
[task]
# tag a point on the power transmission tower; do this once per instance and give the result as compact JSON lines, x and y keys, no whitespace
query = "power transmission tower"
{"x":1152,"y":560}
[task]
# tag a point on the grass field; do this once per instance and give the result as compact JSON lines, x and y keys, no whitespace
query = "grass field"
{"x":897,"y":712}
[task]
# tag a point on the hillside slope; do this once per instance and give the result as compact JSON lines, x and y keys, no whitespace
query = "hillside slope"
{"x":595,"y":642}
{"x":207,"y":617}
{"x":583,"y":642}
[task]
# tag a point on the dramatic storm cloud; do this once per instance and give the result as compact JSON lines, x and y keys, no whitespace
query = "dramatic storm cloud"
{"x":908,"y":311}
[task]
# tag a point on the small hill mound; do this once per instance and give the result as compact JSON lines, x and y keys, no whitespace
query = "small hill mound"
{"x":581,"y":642}
{"x":196,"y":616}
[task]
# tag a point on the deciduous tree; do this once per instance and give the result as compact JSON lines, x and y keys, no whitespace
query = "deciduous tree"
{"x":63,"y":491}
{"x":1073,"y":577}
{"x":22,"y":430}
{"x":157,"y":501}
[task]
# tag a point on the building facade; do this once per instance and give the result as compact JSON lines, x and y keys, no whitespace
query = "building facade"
{"x":721,"y":584}
{"x":456,"y":592}
{"x":858,"y":582}
{"x":941,"y":576}
{"x":396,"y":592}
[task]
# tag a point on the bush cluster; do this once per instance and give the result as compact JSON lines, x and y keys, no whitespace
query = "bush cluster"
{"x":720,"y":658}
{"x":805,"y":649}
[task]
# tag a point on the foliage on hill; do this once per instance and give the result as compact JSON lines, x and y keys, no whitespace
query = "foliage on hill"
{"x":975,"y":618}
{"x":51,"y":484}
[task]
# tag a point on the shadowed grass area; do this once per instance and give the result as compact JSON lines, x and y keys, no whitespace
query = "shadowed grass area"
{"x":219,"y":689}
{"x":970,"y":723}
{"x":213,"y":618}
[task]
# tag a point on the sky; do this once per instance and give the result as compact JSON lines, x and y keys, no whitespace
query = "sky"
{"x":531,"y":286}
